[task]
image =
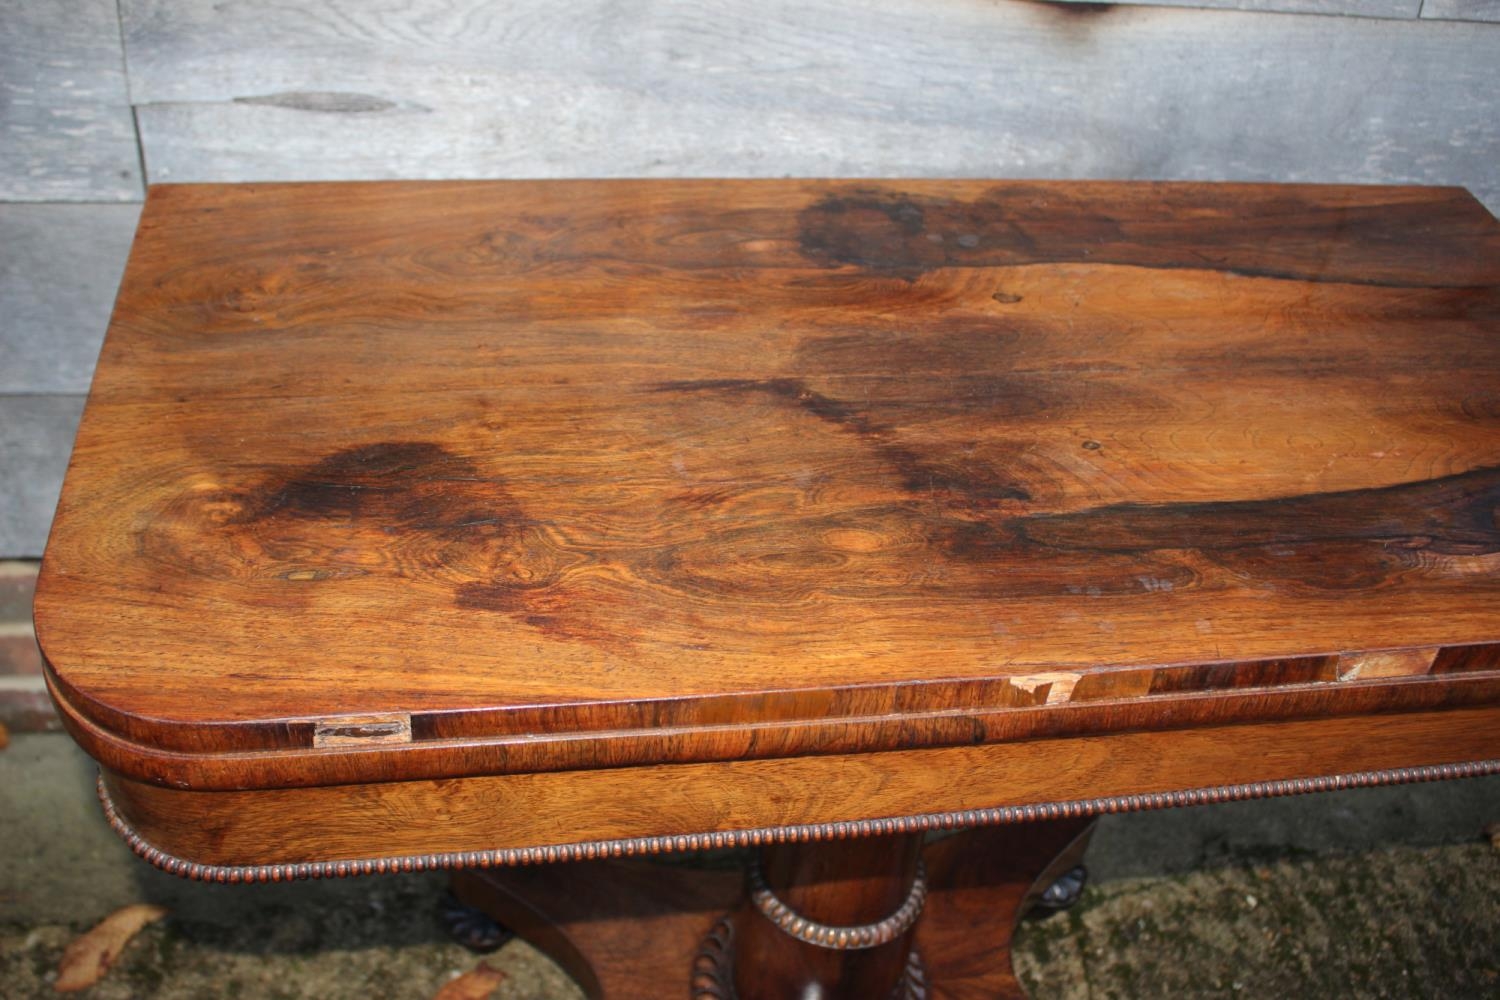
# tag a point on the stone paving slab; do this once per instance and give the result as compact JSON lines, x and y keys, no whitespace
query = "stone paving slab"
{"x":36,"y":437}
{"x":66,"y":128}
{"x":60,"y":266}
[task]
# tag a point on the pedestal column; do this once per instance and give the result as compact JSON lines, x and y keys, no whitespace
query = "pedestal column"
{"x":832,"y":920}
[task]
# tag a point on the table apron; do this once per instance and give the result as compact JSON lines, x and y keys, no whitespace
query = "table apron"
{"x":270,"y":834}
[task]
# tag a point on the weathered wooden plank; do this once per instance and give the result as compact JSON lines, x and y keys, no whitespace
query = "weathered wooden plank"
{"x":66,"y":132}
{"x":594,"y":88}
{"x":1356,"y":8}
{"x":59,"y":268}
{"x":1463,"y":10}
{"x":36,"y":433}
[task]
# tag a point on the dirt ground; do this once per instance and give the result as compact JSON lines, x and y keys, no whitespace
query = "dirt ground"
{"x":1375,"y":893}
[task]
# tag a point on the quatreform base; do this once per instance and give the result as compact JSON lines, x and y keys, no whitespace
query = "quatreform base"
{"x":637,"y":930}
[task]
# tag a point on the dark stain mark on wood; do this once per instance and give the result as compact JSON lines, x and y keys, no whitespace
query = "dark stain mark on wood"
{"x":904,"y":235}
{"x":901,"y":234}
{"x":973,"y":484}
{"x":325,"y":102}
{"x":419,"y":512}
{"x":542,"y":604}
{"x":967,"y":347}
{"x":1336,"y":540}
{"x":405,"y":487}
{"x":1078,"y":9}
{"x":991,"y":558}
{"x":1316,"y":543}
{"x":406,"y":509}
{"x":1357,"y":539}
{"x":1451,"y":515}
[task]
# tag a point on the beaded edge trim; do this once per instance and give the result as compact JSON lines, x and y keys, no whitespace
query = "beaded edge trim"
{"x":633,"y":846}
{"x":861,"y":936}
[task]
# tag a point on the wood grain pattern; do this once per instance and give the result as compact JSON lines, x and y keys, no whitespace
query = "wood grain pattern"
{"x":275,"y":834}
{"x":603,"y":88}
{"x":622,"y":930}
{"x":877,"y":726}
{"x":591,"y":474}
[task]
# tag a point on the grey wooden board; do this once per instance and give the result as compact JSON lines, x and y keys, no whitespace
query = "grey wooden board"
{"x":59,"y":268}
{"x":36,"y":437}
{"x":541,"y":88}
{"x":1463,"y":10}
{"x":1356,"y":8}
{"x":66,"y":132}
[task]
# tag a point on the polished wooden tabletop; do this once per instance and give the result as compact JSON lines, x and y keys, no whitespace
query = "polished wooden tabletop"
{"x":441,"y":479}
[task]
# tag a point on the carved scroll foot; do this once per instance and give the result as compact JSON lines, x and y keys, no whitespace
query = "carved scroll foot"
{"x":1063,"y":893}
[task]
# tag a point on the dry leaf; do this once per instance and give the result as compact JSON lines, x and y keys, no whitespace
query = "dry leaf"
{"x":476,"y":984}
{"x":90,"y":956}
{"x":4,"y":736}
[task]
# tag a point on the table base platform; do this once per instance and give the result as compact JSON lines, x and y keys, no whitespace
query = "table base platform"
{"x":636,"y":930}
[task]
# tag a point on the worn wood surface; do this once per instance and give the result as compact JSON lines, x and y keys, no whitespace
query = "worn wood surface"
{"x":625,"y":931}
{"x":705,"y":470}
{"x":458,"y":88}
{"x":530,"y":818}
{"x":1464,"y":10}
{"x":908,"y":88}
{"x":878,"y":722}
{"x":66,"y":131}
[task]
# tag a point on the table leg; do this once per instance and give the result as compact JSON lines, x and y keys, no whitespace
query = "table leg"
{"x":984,"y":880}
{"x":831,"y":919}
{"x":634,"y":930}
{"x":624,"y":930}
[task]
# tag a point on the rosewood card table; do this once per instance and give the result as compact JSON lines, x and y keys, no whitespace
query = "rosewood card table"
{"x":516,"y":529}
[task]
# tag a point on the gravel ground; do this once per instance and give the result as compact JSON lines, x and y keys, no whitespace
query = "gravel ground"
{"x":1375,"y":893}
{"x":1396,"y":922}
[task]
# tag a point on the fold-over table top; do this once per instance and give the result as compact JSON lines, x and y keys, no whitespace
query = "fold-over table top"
{"x":513,"y":475}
